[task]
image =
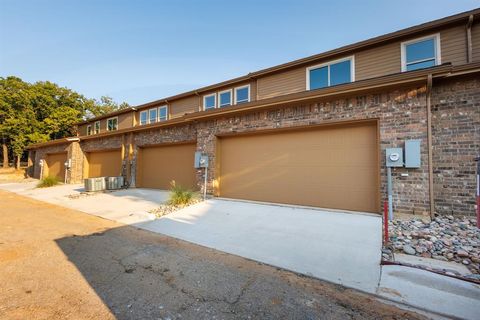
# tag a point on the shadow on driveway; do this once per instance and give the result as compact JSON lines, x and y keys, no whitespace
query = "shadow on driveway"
{"x":141,"y":275}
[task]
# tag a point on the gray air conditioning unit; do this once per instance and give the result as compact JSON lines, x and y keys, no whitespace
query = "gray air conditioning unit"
{"x":114,"y":183}
{"x":95,"y":184}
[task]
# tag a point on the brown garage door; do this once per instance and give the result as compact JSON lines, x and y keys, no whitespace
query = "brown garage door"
{"x":56,"y":165}
{"x":330,"y":167}
{"x":104,"y":163}
{"x":158,"y":166}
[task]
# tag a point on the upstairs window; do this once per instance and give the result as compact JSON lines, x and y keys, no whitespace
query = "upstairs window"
{"x":242,"y":94}
{"x":421,"y":53}
{"x":152,"y":115}
{"x":89,"y":130}
{"x":143,"y":118}
{"x":330,"y":74}
{"x":112,"y":124}
{"x":225,"y":98}
{"x":96,"y":129}
{"x":210,"y":101}
{"x":163,"y":113}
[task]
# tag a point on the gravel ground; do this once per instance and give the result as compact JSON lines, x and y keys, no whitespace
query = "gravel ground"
{"x":445,"y":238}
{"x":57,"y":263}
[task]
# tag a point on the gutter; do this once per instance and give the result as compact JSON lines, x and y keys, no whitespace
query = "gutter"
{"x":469,"y":39}
{"x":430,"y":146}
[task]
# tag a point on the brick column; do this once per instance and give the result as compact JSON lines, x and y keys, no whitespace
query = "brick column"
{"x":75,"y":154}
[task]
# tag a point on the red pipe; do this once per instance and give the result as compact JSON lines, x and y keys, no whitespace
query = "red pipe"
{"x":385,"y":221}
{"x":477,"y":159}
{"x":478,"y":211}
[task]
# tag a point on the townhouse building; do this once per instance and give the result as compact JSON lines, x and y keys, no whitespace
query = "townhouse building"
{"x":312,"y":132}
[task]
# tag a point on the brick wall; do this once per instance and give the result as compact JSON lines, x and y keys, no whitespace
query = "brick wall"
{"x":75,"y":154}
{"x":456,"y":142}
{"x":401,"y":115}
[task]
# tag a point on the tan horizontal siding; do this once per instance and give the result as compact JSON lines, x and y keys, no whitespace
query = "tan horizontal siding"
{"x":476,"y":42}
{"x":182,"y":106}
{"x":454,"y":45}
{"x":82,"y":129}
{"x":253,"y":90}
{"x":125,"y":120}
{"x":290,"y":81}
{"x":378,"y":61}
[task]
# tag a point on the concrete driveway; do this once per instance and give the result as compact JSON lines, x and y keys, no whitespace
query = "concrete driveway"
{"x":339,"y":247}
{"x":129,"y":206}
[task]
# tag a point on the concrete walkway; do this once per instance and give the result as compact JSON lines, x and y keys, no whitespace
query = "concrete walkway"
{"x":343,"y":248}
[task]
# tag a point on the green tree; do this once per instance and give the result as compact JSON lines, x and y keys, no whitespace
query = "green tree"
{"x":32,"y":113}
{"x":105,"y":105}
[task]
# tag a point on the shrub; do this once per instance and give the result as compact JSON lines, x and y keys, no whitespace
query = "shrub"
{"x":48,"y":182}
{"x":180,"y":196}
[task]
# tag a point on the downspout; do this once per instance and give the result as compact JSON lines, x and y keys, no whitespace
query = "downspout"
{"x":430,"y":150}
{"x":469,"y":39}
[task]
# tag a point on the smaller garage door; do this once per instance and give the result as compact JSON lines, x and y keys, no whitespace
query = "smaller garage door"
{"x":158,"y":166}
{"x":56,"y":165}
{"x":104,"y":163}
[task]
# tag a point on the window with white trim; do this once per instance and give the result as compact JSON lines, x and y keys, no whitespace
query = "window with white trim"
{"x":225,"y":98}
{"x":421,"y":53}
{"x":96,"y":129}
{"x":210,"y":101}
{"x":112,"y":124}
{"x":143,"y":117}
{"x":152,"y":115}
{"x":330,"y":74}
{"x":163,"y":113}
{"x":242,"y":94}
{"x":89,"y":130}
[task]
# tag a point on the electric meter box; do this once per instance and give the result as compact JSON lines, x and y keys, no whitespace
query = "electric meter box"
{"x":412,"y":153}
{"x":201,"y":160}
{"x":394,"y":157}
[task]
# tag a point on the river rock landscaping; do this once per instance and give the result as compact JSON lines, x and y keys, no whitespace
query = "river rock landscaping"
{"x":166,"y":208}
{"x":445,"y":238}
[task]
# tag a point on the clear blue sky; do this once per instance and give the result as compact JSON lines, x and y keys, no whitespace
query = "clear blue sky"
{"x":142,"y":50}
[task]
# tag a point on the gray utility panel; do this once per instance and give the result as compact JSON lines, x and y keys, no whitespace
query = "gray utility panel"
{"x":412,"y":153}
{"x":201,"y":160}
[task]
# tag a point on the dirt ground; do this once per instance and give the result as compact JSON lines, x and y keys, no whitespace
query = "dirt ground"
{"x":57,"y":263}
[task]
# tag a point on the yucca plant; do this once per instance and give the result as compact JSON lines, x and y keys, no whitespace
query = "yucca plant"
{"x":48,"y":182}
{"x":180,"y":196}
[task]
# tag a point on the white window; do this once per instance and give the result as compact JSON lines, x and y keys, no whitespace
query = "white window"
{"x":97,"y":127}
{"x":112,"y":124}
{"x":210,"y":101}
{"x":152,"y":115}
{"x":225,"y":98}
{"x":143,"y":118}
{"x":242,"y":94}
{"x":331,"y":73}
{"x":421,"y":53}
{"x":89,"y":130}
{"x":163,"y":113}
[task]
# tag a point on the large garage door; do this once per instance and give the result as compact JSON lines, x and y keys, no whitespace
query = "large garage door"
{"x":56,"y":165}
{"x":104,"y":163}
{"x":329,"y":167}
{"x":158,"y":166}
